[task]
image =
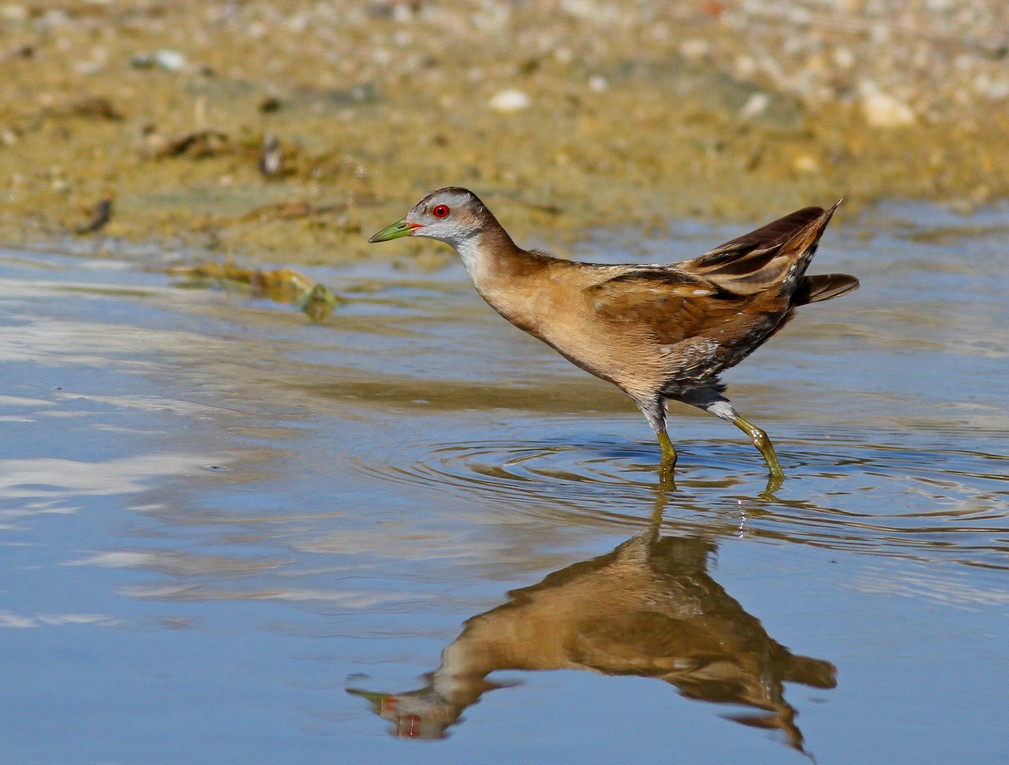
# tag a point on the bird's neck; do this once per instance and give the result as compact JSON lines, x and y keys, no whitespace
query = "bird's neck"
{"x":509,"y":278}
{"x":495,"y":263}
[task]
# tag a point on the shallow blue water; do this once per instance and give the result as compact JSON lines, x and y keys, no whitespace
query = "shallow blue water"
{"x":216,"y":518}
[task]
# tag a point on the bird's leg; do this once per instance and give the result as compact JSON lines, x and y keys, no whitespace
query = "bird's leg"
{"x":668,"y":450}
{"x":654,"y":410}
{"x":763,"y":444}
{"x":723,"y":409}
{"x":668,"y":464}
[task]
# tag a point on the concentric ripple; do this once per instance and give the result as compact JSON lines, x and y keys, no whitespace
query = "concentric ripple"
{"x":896,"y":499}
{"x":611,"y":481}
{"x":940,"y":503}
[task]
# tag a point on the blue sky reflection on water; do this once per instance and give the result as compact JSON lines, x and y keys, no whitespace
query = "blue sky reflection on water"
{"x":216,"y":518}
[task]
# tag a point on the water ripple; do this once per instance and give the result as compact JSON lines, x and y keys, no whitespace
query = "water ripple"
{"x":841,"y":493}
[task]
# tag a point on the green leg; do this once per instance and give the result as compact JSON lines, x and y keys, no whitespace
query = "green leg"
{"x":763,"y":444}
{"x":661,"y":500}
{"x":668,"y":464}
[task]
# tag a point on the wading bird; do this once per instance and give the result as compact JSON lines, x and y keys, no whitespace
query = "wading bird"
{"x":657,"y":332}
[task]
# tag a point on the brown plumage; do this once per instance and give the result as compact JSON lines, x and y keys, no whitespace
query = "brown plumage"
{"x":657,"y":332}
{"x":649,"y":609}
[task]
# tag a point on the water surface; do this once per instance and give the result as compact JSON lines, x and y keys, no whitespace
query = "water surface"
{"x":217,"y":519}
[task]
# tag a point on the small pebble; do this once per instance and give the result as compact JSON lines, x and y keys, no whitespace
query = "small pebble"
{"x":167,"y":60}
{"x":755,"y":105}
{"x":806,"y":163}
{"x":882,"y":110}
{"x":694,"y":49}
{"x":510,"y":100}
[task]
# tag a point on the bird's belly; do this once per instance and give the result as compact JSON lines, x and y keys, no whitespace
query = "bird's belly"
{"x":697,"y":361}
{"x":626,"y":354}
{"x":628,"y":361}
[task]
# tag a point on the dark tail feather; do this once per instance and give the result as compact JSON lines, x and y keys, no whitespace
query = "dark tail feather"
{"x":816,"y":289}
{"x":762,"y":239}
{"x":774,"y":256}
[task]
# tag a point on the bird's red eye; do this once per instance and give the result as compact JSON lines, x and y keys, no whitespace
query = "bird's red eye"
{"x":440,"y":211}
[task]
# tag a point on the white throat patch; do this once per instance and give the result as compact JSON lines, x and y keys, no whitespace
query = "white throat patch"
{"x":474,"y":259}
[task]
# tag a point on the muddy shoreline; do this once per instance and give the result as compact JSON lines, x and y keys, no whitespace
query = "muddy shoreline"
{"x":564,"y":116}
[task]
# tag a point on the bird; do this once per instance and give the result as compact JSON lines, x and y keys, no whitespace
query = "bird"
{"x":660,"y":333}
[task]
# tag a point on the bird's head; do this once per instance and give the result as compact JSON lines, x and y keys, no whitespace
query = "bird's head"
{"x":452,"y":215}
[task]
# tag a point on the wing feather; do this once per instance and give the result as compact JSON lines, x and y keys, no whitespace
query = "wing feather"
{"x":772,"y":256}
{"x":670,"y":304}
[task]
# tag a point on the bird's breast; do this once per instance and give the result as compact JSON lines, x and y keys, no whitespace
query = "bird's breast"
{"x":559,"y":315}
{"x":527,"y":306}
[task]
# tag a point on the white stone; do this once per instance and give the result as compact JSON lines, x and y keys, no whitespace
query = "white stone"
{"x":695,"y":48}
{"x":170,"y":60}
{"x":806,"y":163}
{"x":755,"y":105}
{"x":844,"y":58}
{"x":882,"y":110}
{"x":510,"y":100}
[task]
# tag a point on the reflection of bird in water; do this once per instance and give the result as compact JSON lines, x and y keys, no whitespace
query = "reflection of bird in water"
{"x":649,"y":609}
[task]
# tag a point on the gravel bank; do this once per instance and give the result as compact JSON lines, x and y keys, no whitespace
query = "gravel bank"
{"x":290,"y":130}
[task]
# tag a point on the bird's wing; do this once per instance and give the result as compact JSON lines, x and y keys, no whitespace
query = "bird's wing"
{"x":764,"y":258}
{"x":673,"y":305}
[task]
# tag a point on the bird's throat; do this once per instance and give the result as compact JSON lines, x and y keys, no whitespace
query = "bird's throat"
{"x":477,"y":259}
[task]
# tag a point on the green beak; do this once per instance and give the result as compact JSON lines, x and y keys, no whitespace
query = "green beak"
{"x":395,"y":231}
{"x":377,"y":700}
